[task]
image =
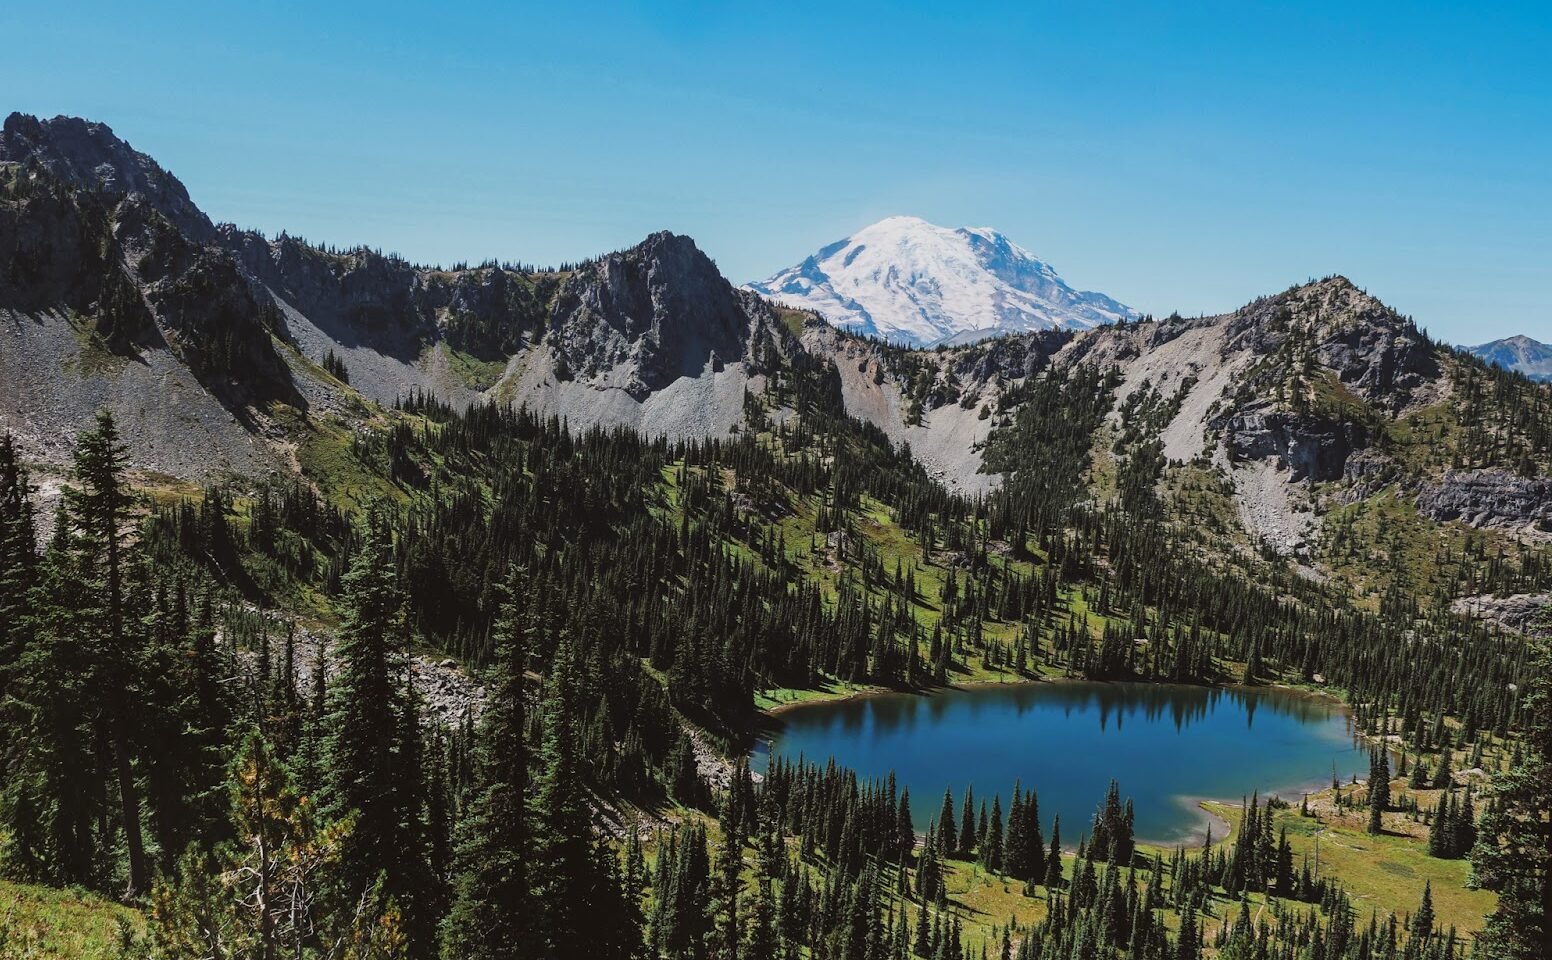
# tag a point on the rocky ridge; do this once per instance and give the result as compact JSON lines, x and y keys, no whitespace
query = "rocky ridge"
{"x":208,"y":342}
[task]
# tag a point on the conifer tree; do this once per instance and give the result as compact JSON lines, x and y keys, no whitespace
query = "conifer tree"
{"x":1513,"y":854}
{"x":99,"y":513}
{"x":18,"y":558}
{"x":276,"y":891}
{"x":967,"y":833}
{"x":1379,"y":789}
{"x":946,"y":833}
{"x":491,"y":911}
{"x":370,"y":749}
{"x":1053,"y":860}
{"x":52,"y":771}
{"x":582,"y":904}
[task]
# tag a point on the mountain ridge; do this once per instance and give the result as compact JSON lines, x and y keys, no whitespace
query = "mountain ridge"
{"x":1518,"y":353}
{"x":229,"y":334}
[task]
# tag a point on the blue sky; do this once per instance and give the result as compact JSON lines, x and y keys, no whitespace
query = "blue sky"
{"x":1183,"y":156}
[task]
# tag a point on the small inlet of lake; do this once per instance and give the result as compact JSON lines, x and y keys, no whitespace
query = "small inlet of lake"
{"x":1169,"y":745}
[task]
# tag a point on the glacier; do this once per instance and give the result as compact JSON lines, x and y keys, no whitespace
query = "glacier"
{"x":911,"y":282}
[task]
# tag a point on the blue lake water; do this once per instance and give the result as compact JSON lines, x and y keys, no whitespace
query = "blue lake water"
{"x":1167,"y":744}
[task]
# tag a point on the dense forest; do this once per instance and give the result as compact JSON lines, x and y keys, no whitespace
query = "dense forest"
{"x":174,"y":739}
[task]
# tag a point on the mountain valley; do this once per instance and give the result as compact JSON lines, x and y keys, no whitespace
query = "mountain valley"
{"x":653,"y":509}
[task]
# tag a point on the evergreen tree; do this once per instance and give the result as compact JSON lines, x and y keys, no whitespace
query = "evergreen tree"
{"x":582,"y":905}
{"x":1379,"y":789}
{"x":99,"y":513}
{"x":1514,"y":849}
{"x":371,"y":749}
{"x":946,"y":833}
{"x":18,"y":559}
{"x":967,"y":830}
{"x":491,"y":911}
{"x":276,"y":890}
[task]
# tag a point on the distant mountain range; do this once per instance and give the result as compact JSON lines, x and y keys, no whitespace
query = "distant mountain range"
{"x":1530,"y":357}
{"x":910,"y":282}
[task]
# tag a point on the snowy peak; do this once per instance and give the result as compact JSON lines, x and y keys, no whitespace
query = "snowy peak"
{"x":909,"y":281}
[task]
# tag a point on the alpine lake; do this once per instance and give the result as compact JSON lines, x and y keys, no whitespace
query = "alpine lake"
{"x":1169,"y":746}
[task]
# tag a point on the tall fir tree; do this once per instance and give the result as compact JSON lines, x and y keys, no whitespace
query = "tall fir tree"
{"x":372,"y":744}
{"x":492,"y":911}
{"x":582,"y":903}
{"x":99,"y":512}
{"x":1513,"y":854}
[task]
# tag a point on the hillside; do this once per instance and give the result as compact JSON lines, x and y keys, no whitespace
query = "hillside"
{"x":364,"y":502}
{"x":225,"y":353}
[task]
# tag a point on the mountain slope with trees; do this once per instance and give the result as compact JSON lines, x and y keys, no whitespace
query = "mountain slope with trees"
{"x":631,"y":598}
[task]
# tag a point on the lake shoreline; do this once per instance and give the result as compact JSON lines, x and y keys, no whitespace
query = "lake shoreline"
{"x":1207,"y":821}
{"x":865,"y":693}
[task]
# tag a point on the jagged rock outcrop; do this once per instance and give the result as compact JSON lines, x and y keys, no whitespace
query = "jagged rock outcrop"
{"x":644,"y":317}
{"x":89,"y":156}
{"x":1315,"y":448}
{"x":97,"y":228}
{"x":112,"y":298}
{"x":1490,"y":499}
{"x":1523,"y":612}
{"x":651,"y":337}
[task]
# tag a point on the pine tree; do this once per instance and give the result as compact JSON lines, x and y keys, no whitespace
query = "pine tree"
{"x":991,"y":847}
{"x":1379,"y":789}
{"x":1513,"y":854}
{"x":1422,"y":921}
{"x":372,"y":739}
{"x":491,"y":909}
{"x":276,"y":891}
{"x":18,"y":558}
{"x":582,"y":905}
{"x":967,"y":834}
{"x":52,"y":770}
{"x":99,"y":511}
{"x":24,"y":795}
{"x":1053,"y":860}
{"x":946,"y":833}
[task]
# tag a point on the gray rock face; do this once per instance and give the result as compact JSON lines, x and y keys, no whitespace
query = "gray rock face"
{"x":103,"y":252}
{"x":360,"y":298}
{"x":88,"y":155}
{"x":1523,"y":612}
{"x":1315,"y":448}
{"x":1007,"y":358}
{"x":1490,"y":499}
{"x":1374,"y":351}
{"x":1365,"y":474}
{"x":654,"y":313}
{"x":1379,"y":355}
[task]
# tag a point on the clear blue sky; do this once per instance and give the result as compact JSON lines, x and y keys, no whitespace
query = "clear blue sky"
{"x":1177,"y":155}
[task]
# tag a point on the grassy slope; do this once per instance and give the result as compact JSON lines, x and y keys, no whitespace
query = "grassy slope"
{"x":44,"y":923}
{"x":1382,"y":874}
{"x":1385,"y":873}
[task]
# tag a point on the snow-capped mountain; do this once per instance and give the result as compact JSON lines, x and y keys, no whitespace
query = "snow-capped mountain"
{"x":911,"y":282}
